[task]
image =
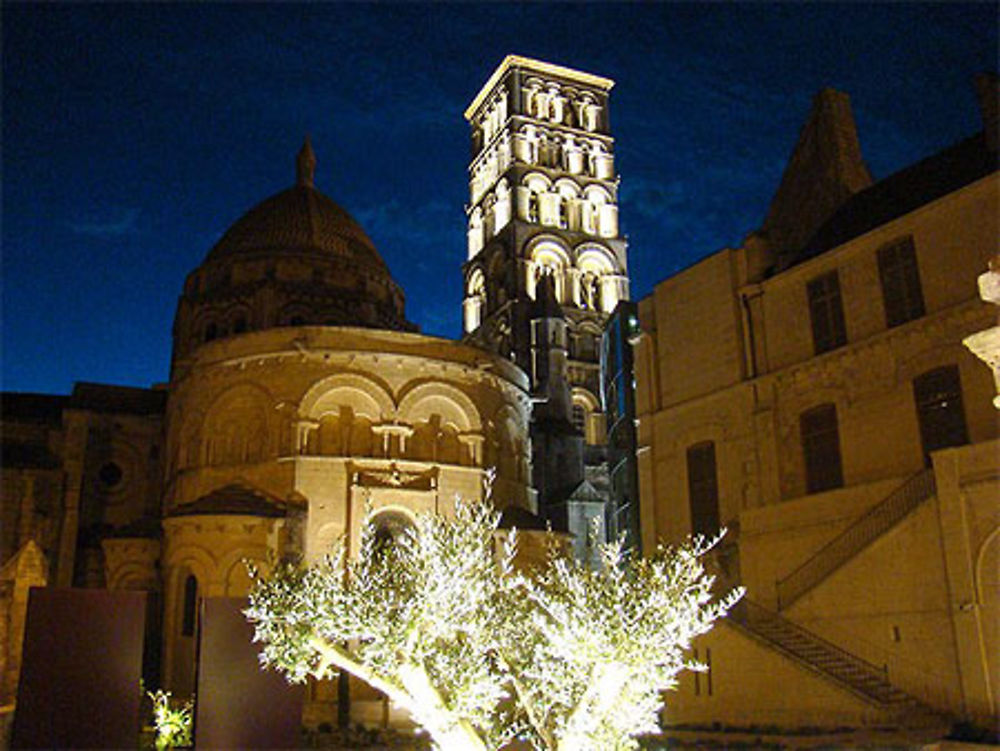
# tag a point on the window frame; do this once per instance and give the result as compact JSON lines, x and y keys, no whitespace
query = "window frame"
{"x":822,"y":455}
{"x":956,"y":434}
{"x":826,"y":312}
{"x":703,"y":488}
{"x":899,"y":278}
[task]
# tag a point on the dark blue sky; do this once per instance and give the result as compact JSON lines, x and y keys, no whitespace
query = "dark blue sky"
{"x":133,"y":135}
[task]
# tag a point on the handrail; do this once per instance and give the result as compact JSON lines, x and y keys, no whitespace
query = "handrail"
{"x":749,"y":613}
{"x":858,"y":535}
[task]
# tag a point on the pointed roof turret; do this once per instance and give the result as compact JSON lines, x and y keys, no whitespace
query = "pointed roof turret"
{"x":305,"y":165}
{"x":825,"y":169}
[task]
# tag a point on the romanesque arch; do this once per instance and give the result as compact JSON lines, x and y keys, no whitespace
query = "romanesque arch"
{"x":547,"y":255}
{"x":439,"y":415}
{"x":237,"y":427}
{"x":365,"y":396}
{"x":343,"y":408}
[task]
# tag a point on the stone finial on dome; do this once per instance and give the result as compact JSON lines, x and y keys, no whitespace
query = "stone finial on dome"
{"x":305,"y":165}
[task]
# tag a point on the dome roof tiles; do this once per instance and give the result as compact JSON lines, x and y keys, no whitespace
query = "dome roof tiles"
{"x":299,"y":220}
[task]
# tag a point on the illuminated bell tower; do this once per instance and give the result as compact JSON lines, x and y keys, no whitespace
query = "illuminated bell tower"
{"x":544,"y":203}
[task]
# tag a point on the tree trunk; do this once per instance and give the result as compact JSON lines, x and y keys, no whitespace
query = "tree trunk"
{"x":450,"y":733}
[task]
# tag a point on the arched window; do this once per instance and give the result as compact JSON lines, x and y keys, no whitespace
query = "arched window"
{"x":548,"y":258}
{"x":211,"y":331}
{"x":240,"y":324}
{"x":389,"y":527}
{"x":475,"y":300}
{"x":189,"y":617}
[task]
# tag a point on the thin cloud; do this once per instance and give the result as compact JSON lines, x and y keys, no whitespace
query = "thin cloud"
{"x":123,"y":223}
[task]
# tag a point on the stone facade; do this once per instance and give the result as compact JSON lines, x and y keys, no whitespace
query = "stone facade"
{"x":544,"y":206}
{"x":810,"y":392}
{"x":300,"y":398}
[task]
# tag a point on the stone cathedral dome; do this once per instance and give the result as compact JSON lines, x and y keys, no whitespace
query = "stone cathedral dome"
{"x":300,"y":220}
{"x":297,"y":258}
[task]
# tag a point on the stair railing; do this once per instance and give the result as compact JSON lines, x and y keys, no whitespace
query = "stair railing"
{"x":858,"y":535}
{"x":753,"y":617}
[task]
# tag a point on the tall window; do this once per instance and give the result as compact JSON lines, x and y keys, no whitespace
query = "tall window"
{"x":703,"y":489}
{"x":938,"y":396}
{"x":821,"y":448}
{"x":901,"y":293}
{"x":190,"y":606}
{"x":826,"y":313}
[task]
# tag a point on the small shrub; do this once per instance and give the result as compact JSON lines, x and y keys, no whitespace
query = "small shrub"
{"x":172,"y":722}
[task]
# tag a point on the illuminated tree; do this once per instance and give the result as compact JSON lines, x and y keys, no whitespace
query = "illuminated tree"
{"x":479,"y":652}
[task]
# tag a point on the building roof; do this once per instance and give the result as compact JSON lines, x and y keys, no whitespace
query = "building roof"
{"x":904,"y":191}
{"x":520,"y":518}
{"x":300,"y":220}
{"x":825,"y":169}
{"x":42,"y":409}
{"x":232,"y":500}
{"x":100,"y":397}
{"x":516,"y":61}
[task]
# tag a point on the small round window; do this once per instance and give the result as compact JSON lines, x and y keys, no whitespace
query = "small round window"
{"x":110,"y":475}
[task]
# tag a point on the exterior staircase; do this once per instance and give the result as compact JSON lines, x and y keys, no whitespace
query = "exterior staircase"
{"x":867,"y":681}
{"x":873,"y":524}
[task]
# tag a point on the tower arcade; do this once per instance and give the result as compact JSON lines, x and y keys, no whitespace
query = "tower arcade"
{"x":544,"y":205}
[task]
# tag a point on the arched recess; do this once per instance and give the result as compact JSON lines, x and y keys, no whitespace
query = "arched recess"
{"x":567,"y":188}
{"x":501,"y":207}
{"x":585,"y":409}
{"x":453,"y":406}
{"x":547,"y":255}
{"x":987,"y":587}
{"x":475,"y":235}
{"x":237,"y":427}
{"x":365,"y":396}
{"x":295,"y":314}
{"x":475,"y":299}
{"x":585,"y":344}
{"x":239,"y":319}
{"x":235,"y":574}
{"x":130,"y":576}
{"x":439,"y":414}
{"x":507,"y":445}
{"x":598,"y":285}
{"x":391,"y":521}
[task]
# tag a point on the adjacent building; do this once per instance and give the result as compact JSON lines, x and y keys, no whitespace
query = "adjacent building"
{"x":810,"y":392}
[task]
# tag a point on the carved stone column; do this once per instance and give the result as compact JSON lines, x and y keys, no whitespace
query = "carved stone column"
{"x":474,"y":445}
{"x":303,"y":428}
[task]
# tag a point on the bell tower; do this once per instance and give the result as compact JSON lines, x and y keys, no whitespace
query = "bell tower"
{"x":543,"y":205}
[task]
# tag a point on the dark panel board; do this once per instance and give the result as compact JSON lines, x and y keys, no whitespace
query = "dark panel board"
{"x":80,"y":669}
{"x":240,"y":705}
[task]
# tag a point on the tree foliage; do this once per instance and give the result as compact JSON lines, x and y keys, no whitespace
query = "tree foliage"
{"x":479,"y":651}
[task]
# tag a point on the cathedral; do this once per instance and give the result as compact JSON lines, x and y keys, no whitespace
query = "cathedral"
{"x":808,"y":390}
{"x":300,"y":395}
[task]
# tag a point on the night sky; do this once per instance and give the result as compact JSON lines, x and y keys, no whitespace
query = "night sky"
{"x":134,"y":135}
